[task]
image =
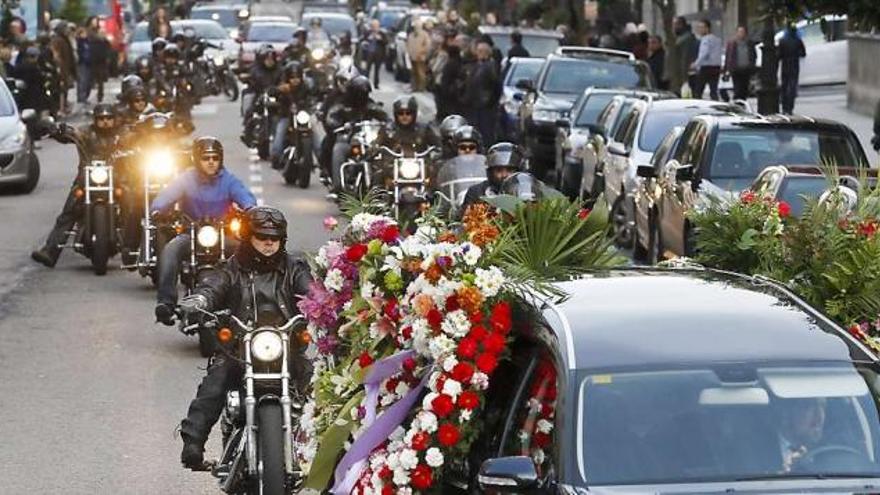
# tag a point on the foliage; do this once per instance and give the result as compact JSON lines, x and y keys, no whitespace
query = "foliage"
{"x":74,"y":11}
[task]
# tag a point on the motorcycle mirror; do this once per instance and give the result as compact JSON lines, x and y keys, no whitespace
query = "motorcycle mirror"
{"x":19,"y":84}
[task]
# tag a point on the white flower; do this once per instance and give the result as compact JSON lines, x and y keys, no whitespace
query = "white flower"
{"x":362,"y":221}
{"x":534,"y":406}
{"x":480,"y":381}
{"x":392,"y":263}
{"x":334,"y":280}
{"x":538,"y":456}
{"x":489,"y":281}
{"x":471,"y":253}
{"x":451,"y":388}
{"x":387,"y":400}
{"x":427,"y":421}
{"x":404,"y":490}
{"x":440,"y":346}
{"x":321,"y":258}
{"x":394,"y":460}
{"x":425,"y":233}
{"x":544,"y":426}
{"x":426,"y":402}
{"x":449,"y":363}
{"x":465,"y":415}
{"x":409,"y":459}
{"x":367,"y":289}
{"x":401,"y":389}
{"x":456,"y":324}
{"x":434,"y":457}
{"x":377,"y":461}
{"x":346,"y":306}
{"x":401,"y":477}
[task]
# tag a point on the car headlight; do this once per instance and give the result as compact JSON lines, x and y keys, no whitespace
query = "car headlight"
{"x":14,"y":140}
{"x":409,"y":168}
{"x":99,"y":175}
{"x":243,"y":13}
{"x":208,"y":236}
{"x":219,"y":60}
{"x":160,"y":163}
{"x":546,"y":115}
{"x":318,"y":53}
{"x":266,"y":346}
{"x":302,"y":117}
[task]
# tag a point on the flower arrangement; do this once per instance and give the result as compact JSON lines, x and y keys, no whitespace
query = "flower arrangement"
{"x":409,"y":330}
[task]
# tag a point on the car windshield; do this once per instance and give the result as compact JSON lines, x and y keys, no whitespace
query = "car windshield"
{"x":227,"y":18}
{"x":658,"y":123}
{"x":270,"y":32}
{"x":334,"y":25}
{"x":389,"y":18}
{"x":796,"y":191}
{"x":523,"y":70}
{"x":589,"y":114}
{"x":574,"y":76}
{"x":141,"y":33}
{"x":727,"y":423}
{"x":741,"y":154}
{"x":538,"y":46}
{"x":207,"y":30}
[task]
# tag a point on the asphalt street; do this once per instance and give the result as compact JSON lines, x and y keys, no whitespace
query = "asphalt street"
{"x":92,"y":388}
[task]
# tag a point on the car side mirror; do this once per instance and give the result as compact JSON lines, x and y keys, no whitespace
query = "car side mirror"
{"x":508,"y":475}
{"x":564,"y":122}
{"x":526,"y":85}
{"x":28,"y":115}
{"x":683,"y":171}
{"x":618,"y":149}
{"x":645,"y":171}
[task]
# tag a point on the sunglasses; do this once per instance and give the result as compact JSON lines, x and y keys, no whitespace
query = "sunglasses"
{"x":105,"y":118}
{"x":404,"y":112}
{"x":467,"y":147}
{"x":266,"y":237}
{"x":212,"y":158}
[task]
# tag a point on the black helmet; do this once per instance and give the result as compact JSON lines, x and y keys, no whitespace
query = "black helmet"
{"x":358,"y":91}
{"x":264,"y":51}
{"x":130,"y":82}
{"x":293,"y":68}
{"x":301,"y":32}
{"x":506,"y":155}
{"x":143,"y":62}
{"x":344,"y":76}
{"x":171,"y":49}
{"x":524,"y":186}
{"x":468,"y":134}
{"x":265,"y":220}
{"x":159,"y":45}
{"x":449,"y":125}
{"x":103,"y":110}
{"x":178,"y":37}
{"x":406,"y":103}
{"x":204,"y":145}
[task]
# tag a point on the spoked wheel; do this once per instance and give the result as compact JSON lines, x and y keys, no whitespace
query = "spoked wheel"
{"x":270,"y":450}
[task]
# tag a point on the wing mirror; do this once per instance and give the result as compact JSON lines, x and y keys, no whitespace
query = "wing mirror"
{"x":518,"y":97}
{"x":682,"y":171}
{"x":645,"y":171}
{"x":618,"y":149}
{"x":526,"y":85}
{"x":28,"y":115}
{"x":508,"y":475}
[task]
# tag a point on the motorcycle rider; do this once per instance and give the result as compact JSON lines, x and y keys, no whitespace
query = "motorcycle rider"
{"x":27,"y":69}
{"x":263,"y":75}
{"x":292,"y":90}
{"x":406,"y":132}
{"x":207,"y":190}
{"x":143,"y":68}
{"x":448,"y":126}
{"x":157,"y":46}
{"x":99,"y":142}
{"x":297,"y":49}
{"x":468,"y":141}
{"x":502,"y":160}
{"x":260,"y":283}
{"x":134,"y":104}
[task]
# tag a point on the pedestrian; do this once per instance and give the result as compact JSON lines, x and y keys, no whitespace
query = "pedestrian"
{"x":101,"y":57}
{"x":875,"y":140}
{"x":516,"y":46}
{"x":739,"y":62}
{"x":159,"y":25}
{"x":375,"y":48}
{"x":418,"y":47}
{"x":681,"y":54}
{"x":791,"y":51}
{"x":436,"y":63}
{"x":28,"y":70}
{"x":64,"y":54}
{"x":656,"y":59}
{"x":708,"y":62}
{"x":452,"y":84}
{"x":15,"y":34}
{"x":84,"y":51}
{"x":483,"y":87}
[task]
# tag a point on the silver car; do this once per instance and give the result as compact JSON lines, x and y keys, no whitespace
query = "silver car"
{"x":19,"y":166}
{"x":212,"y":31}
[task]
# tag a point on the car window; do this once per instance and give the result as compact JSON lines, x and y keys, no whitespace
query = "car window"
{"x":522,"y":70}
{"x":591,"y":110}
{"x":728,"y":422}
{"x":796,"y":191}
{"x":538,"y":46}
{"x":604,"y":119}
{"x":619,"y":118}
{"x":270,"y":32}
{"x":631,"y":126}
{"x":692,"y":144}
{"x":141,"y":33}
{"x":574,"y":76}
{"x":533,"y":427}
{"x":334,"y":25}
{"x":207,"y":30}
{"x":658,"y":122}
{"x":661,"y":154}
{"x":227,"y":18}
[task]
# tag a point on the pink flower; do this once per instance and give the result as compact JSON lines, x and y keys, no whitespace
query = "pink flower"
{"x":330,"y":224}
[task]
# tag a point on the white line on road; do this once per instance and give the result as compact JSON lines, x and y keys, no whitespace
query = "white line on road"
{"x":256,"y":178}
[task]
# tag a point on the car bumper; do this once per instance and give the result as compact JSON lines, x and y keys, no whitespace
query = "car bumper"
{"x":14,"y":165}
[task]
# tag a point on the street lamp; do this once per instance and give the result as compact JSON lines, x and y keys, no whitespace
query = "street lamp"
{"x":768,"y":93}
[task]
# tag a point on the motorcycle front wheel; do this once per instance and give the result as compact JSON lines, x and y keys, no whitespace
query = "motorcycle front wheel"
{"x":100,"y":238}
{"x":271,"y":449}
{"x":230,"y":87}
{"x":306,"y":163}
{"x":206,"y":342}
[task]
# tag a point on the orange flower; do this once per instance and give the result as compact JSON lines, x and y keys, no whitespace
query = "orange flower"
{"x":412,"y":265}
{"x":447,"y":236}
{"x":422,"y":303}
{"x":470,"y":299}
{"x":484,"y":235}
{"x":433,"y":273}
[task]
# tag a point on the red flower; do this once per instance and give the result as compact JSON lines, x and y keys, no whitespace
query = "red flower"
{"x":386,"y":473}
{"x":584,"y":213}
{"x":501,"y":317}
{"x":541,"y":439}
{"x":355,"y":252}
{"x":856,"y":331}
{"x":420,"y":441}
{"x":487,"y":363}
{"x":365,"y":359}
{"x":409,"y":364}
{"x":390,"y":234}
{"x":547,"y":411}
{"x":468,"y":400}
{"x":494,"y":343}
{"x":452,"y":303}
{"x":391,"y":309}
{"x":867,"y":228}
{"x":476,"y":317}
{"x":477,"y":333}
{"x":467,"y":347}
{"x":462,"y":372}
{"x":391,"y":384}
{"x":747,"y":196}
{"x":421,"y":477}
{"x":387,"y":490}
{"x":442,"y":405}
{"x":435,"y":318}
{"x":407,"y":333}
{"x":448,"y":434}
{"x":784,"y":209}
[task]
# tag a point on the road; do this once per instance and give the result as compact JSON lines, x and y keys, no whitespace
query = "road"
{"x":93,"y":388}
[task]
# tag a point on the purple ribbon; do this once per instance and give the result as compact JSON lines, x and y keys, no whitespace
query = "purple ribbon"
{"x":352,"y":464}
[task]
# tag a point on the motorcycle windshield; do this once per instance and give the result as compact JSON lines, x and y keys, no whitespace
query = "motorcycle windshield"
{"x":457,"y":174}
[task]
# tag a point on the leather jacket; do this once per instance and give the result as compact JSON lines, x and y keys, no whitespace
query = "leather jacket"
{"x":342,"y":114}
{"x":416,"y":137}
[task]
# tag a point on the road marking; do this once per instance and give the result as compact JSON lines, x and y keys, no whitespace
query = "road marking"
{"x":205,"y":109}
{"x":255,"y":167}
{"x":257,"y":190}
{"x":256,"y":178}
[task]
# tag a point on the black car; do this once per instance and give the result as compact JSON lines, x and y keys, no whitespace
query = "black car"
{"x":563,"y":78}
{"x":538,"y":42}
{"x":719,"y":156}
{"x":680,"y":380}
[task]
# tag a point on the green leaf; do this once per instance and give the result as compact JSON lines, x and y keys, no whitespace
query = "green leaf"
{"x":331,"y":445}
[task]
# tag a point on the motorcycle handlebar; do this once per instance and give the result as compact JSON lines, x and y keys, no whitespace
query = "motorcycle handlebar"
{"x":395,"y":154}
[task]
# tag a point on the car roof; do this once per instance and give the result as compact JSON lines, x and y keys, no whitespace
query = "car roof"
{"x":690,"y":103}
{"x":676,"y":317}
{"x":525,"y":60}
{"x":339,"y":15}
{"x":591,"y":57}
{"x":269,"y":18}
{"x":778,"y":121}
{"x":220,"y":6}
{"x":548,"y":33}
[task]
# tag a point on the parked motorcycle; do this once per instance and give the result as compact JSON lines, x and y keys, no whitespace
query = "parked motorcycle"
{"x":259,"y":422}
{"x":352,"y":156}
{"x":298,"y":159}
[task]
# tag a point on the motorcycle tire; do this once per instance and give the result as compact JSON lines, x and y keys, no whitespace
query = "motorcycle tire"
{"x":230,"y":88}
{"x":307,"y":163}
{"x":100,"y":238}
{"x":270,"y":450}
{"x":206,"y":342}
{"x":263,"y":149}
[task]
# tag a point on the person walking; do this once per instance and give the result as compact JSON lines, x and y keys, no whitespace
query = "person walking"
{"x":681,"y":55}
{"x":516,"y":46}
{"x":375,"y":48}
{"x":452,"y":82}
{"x":64,"y":54}
{"x":708,"y":62}
{"x":656,"y":60}
{"x":791,"y":51}
{"x":418,"y":47}
{"x":739,"y":62}
{"x":483,"y":89}
{"x":101,"y":56}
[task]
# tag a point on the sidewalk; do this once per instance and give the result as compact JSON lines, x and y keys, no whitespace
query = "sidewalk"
{"x":833,"y":106}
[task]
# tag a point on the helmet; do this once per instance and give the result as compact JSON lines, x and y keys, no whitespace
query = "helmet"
{"x":406,"y":103}
{"x":172,"y":50}
{"x":159,"y":45}
{"x":344,"y":75}
{"x":315,"y":22}
{"x":265,"y":220}
{"x":136,"y":93}
{"x":358,"y":91}
{"x":301,"y":32}
{"x":523,"y":185}
{"x":291,"y":69}
{"x":449,"y":125}
{"x":178,"y":37}
{"x":468,"y":134}
{"x":103,"y":110}
{"x":130,"y":82}
{"x":204,"y":145}
{"x":143,"y":62}
{"x":506,"y":155}
{"x":264,"y":51}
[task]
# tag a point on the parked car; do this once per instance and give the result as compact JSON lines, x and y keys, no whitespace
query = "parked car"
{"x":19,"y":165}
{"x":633,"y":144}
{"x":320,"y":6}
{"x":230,"y":16}
{"x":719,"y":156}
{"x":563,"y":78}
{"x":679,"y":381}
{"x":335,"y":23}
{"x":402,"y":63}
{"x":141,"y":44}
{"x":256,"y":33}
{"x":511,"y":96}
{"x":539,"y":42}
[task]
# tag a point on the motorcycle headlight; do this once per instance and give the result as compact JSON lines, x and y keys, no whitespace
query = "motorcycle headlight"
{"x":219,"y":60}
{"x":160,"y":163}
{"x":99,"y":175}
{"x":409,"y":168}
{"x":208,"y":236}
{"x":370,"y":135}
{"x":546,"y":115}
{"x":266,"y":346}
{"x":318,"y":53}
{"x":302,"y":117}
{"x":345,"y":62}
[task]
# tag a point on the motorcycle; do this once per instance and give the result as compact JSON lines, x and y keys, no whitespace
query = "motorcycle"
{"x":408,"y":182}
{"x":259,"y":422}
{"x":454,"y":179}
{"x":158,"y":170}
{"x":209,"y":245}
{"x":355,"y":173}
{"x":258,"y":125}
{"x":298,"y":160}
{"x":220,"y":78}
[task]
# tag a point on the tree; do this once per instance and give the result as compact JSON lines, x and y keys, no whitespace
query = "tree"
{"x":667,"y":14}
{"x":74,"y":11}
